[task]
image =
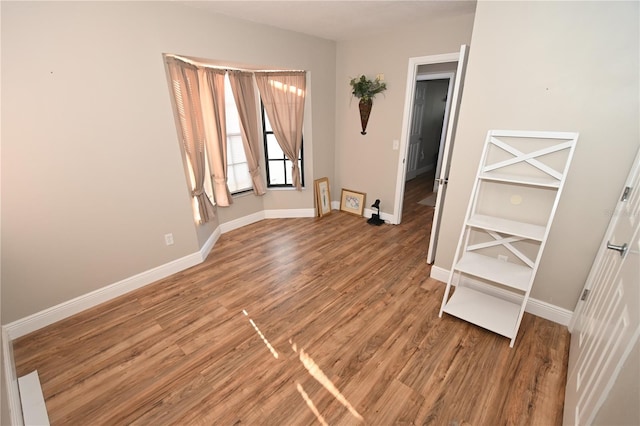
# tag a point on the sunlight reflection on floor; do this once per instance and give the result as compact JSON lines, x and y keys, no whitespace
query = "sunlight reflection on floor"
{"x":264,"y":339}
{"x":315,"y":371}
{"x":319,"y":375}
{"x":311,"y":405}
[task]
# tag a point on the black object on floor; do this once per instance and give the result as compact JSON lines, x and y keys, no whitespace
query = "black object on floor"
{"x":375,"y":217}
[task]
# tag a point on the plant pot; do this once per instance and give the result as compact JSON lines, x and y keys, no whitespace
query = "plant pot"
{"x":365,"y":111}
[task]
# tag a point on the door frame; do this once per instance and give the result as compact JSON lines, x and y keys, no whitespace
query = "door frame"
{"x":412,"y":74}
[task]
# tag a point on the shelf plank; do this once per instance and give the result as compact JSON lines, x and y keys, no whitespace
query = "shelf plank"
{"x":506,"y":226}
{"x":505,"y":273}
{"x":494,"y":314}
{"x":547,"y":182}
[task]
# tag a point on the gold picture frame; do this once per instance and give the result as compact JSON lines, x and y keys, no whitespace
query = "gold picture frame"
{"x":352,"y":202}
{"x":323,"y":196}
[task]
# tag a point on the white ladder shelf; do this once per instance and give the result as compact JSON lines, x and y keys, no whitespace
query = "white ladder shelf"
{"x":512,"y":205}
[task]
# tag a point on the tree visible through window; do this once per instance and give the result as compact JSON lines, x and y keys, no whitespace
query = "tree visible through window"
{"x":278,"y":165}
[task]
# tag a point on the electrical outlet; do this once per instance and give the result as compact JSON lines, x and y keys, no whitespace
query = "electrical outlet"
{"x":168,"y":239}
{"x":503,"y":258}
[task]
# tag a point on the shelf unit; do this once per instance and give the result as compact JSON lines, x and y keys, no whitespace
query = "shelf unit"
{"x":514,"y":199}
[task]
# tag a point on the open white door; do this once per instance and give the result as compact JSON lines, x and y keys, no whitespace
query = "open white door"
{"x":606,"y":322}
{"x":442,"y":179}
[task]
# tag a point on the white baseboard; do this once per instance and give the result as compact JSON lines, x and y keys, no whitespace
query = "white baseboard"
{"x":243,"y":221}
{"x":335,"y":205}
{"x":265,"y":214}
{"x":384,"y":216}
{"x":208,"y":245}
{"x":66,"y":309}
{"x":289,"y":213}
{"x":535,"y":307}
{"x":11,"y":380}
{"x":414,"y":174}
{"x":425,"y":169}
{"x":71,"y":307}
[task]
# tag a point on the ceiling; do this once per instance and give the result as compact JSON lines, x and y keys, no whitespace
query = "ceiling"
{"x":336,"y":19}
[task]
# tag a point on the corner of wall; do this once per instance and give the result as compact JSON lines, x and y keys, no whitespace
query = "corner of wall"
{"x":10,"y":383}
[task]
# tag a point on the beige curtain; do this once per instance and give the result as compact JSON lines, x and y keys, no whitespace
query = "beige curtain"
{"x":212,"y":88}
{"x":283,"y":96}
{"x":244,"y":94}
{"x":186,"y":93}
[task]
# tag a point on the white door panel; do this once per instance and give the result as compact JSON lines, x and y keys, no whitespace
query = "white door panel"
{"x":606,"y":325}
{"x":446,"y":152}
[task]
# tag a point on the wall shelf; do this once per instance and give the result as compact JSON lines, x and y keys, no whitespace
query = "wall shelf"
{"x":499,"y":253}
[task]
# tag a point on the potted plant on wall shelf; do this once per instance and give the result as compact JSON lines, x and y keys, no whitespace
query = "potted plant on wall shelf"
{"x":365,"y":90}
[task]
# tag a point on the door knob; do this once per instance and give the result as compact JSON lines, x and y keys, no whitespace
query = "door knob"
{"x":622,"y":249}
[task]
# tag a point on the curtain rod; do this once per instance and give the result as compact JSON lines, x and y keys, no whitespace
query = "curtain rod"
{"x":204,"y":65}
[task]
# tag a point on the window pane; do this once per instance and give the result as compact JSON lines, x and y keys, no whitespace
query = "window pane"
{"x":267,"y":125}
{"x":273,"y":149}
{"x":232,"y":117}
{"x":238,"y":177}
{"x":276,"y":173}
{"x":235,"y":150}
{"x":279,"y":171}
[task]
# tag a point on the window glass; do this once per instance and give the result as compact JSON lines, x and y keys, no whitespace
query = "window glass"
{"x":278,"y":165}
{"x":238,"y":177}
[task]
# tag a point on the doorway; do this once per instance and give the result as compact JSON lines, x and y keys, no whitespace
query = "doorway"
{"x":418,"y":66}
{"x":431,"y":105}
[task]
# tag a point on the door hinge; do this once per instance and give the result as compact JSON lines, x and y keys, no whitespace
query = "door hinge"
{"x":625,"y":194}
{"x":585,"y":293}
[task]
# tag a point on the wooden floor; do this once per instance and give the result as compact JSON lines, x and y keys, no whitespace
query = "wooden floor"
{"x":298,"y":322}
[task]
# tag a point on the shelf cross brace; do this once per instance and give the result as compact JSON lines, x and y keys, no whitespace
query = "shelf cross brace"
{"x":499,"y":240}
{"x":530,"y":158}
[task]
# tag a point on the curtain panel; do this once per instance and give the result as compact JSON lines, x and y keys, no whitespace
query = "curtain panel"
{"x":283,"y":94}
{"x":247,"y":104}
{"x":215,"y":126}
{"x":186,"y":94}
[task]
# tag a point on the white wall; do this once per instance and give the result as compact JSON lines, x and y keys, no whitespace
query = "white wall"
{"x":561,"y":66}
{"x":92,"y":172}
{"x":367,"y":163}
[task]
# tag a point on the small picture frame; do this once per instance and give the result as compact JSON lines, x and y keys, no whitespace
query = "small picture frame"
{"x":323,"y":196}
{"x":352,"y":202}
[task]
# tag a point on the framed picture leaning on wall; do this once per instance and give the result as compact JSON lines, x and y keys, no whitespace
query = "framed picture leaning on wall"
{"x":323,"y":196}
{"x":352,"y":202}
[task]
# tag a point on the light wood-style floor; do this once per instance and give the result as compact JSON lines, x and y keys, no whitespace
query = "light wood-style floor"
{"x":298,"y":322}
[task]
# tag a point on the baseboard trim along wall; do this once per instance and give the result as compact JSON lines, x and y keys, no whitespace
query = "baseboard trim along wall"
{"x":534,"y":306}
{"x":66,"y":309}
{"x":335,"y":205}
{"x":240,"y":222}
{"x":71,"y":307}
{"x":11,"y":380}
{"x":289,"y":213}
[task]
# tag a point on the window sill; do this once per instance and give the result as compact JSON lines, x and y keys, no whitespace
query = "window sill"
{"x":282,"y":188}
{"x":242,"y":194}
